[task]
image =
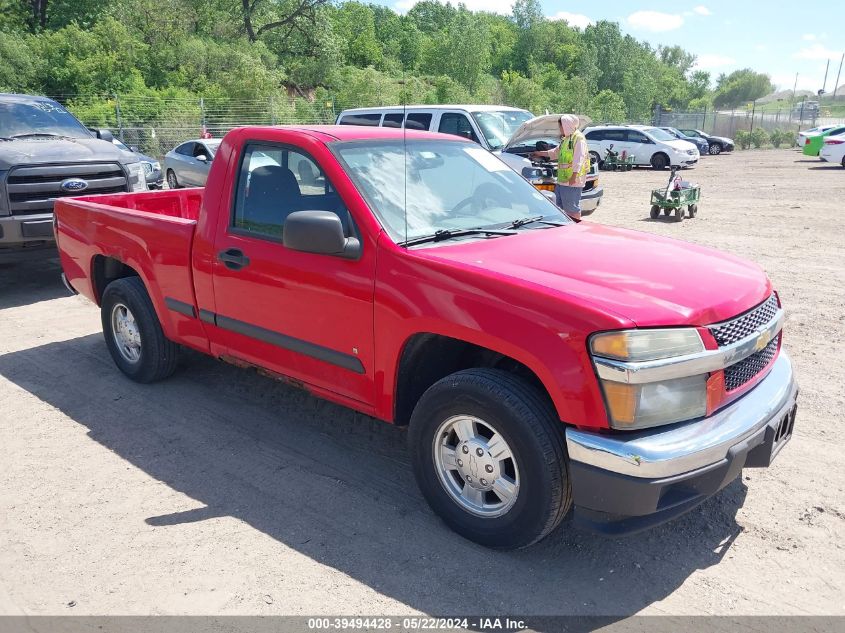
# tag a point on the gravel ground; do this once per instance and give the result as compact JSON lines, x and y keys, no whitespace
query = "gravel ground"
{"x":222,"y":492}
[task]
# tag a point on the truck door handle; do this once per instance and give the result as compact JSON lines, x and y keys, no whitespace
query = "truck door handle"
{"x":233,"y":258}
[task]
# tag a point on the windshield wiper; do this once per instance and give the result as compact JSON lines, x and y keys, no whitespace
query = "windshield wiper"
{"x":447,"y":234}
{"x":538,"y":219}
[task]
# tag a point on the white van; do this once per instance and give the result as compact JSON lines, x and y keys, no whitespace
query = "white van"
{"x":647,"y":144}
{"x":500,"y":129}
{"x":489,"y":126}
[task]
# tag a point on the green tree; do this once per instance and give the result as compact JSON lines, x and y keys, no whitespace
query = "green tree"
{"x":354,"y":24}
{"x":459,"y":51}
{"x":607,"y":106}
{"x":741,"y":87}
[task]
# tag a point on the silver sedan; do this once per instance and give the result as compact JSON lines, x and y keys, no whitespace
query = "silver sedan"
{"x":187,"y":164}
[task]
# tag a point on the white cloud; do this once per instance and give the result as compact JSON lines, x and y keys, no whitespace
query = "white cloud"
{"x":701,"y":10}
{"x":817,"y":51}
{"x":708,"y":61}
{"x":808,"y":37}
{"x":573,"y":19}
{"x":655,"y":21}
{"x":493,"y":6}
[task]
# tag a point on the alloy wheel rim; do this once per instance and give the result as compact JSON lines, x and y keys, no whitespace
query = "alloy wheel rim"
{"x":125,"y":332}
{"x":476,"y":467}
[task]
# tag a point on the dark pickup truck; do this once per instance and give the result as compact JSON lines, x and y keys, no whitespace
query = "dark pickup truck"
{"x":46,"y":153}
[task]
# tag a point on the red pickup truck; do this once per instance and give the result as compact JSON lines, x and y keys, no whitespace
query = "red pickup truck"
{"x":540,"y":364}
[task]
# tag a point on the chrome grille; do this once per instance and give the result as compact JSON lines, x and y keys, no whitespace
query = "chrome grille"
{"x":740,"y":327}
{"x":34,"y":189}
{"x":740,"y":373}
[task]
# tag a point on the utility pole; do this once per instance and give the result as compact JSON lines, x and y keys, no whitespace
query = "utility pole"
{"x":836,"y":86}
{"x":824,"y":85}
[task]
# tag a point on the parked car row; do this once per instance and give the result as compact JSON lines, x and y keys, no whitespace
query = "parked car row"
{"x":826,"y":142}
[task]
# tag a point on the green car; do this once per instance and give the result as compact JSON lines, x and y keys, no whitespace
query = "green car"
{"x":813,"y":142}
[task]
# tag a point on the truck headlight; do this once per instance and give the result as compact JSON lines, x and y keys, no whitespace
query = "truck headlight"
{"x":137,"y":177}
{"x":642,"y":405}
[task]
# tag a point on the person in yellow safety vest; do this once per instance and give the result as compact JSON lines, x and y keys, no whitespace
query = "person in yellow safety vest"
{"x":573,"y":163}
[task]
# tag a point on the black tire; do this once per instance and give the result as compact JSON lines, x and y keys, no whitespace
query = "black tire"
{"x":158,"y":355}
{"x":172,"y":181}
{"x":659,"y":161}
{"x":596,"y":159}
{"x":692,"y":210}
{"x":715,"y":149}
{"x":679,"y":214}
{"x":655,"y":212}
{"x":843,"y":161}
{"x":528,"y":424}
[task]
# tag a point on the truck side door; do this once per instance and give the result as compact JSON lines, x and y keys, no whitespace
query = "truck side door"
{"x":304,"y":315}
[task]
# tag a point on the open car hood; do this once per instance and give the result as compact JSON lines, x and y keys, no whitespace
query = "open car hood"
{"x":545,"y":125}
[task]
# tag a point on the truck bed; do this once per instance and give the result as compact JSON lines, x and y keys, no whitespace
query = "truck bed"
{"x":150,"y":232}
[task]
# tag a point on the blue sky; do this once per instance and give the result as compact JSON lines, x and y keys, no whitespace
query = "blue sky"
{"x":778,"y":38}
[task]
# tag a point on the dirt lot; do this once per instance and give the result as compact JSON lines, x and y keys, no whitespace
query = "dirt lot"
{"x":219,"y":491}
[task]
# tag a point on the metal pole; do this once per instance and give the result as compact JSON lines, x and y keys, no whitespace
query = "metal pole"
{"x":824,"y":85}
{"x":202,"y":117}
{"x":704,"y":118}
{"x":753,"y":112}
{"x":119,"y":119}
{"x":792,"y":100}
{"x":836,"y":86}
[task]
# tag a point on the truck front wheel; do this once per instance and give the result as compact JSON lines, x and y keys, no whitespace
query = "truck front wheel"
{"x":489,"y":456}
{"x":133,"y":333}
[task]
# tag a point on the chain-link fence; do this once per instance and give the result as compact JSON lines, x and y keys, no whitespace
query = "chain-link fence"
{"x":727,"y":123}
{"x":156,"y":125}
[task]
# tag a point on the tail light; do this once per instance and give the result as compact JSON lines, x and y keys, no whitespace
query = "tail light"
{"x":833,"y":141}
{"x":806,"y":141}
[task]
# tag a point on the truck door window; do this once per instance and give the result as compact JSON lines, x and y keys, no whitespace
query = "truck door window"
{"x":392,"y":119}
{"x":274,"y":182}
{"x":186,"y":149}
{"x":361,"y":119}
{"x":457,"y":125}
{"x":418,"y":121}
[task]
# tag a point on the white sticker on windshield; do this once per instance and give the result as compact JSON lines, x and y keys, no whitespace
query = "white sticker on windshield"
{"x":486,"y":159}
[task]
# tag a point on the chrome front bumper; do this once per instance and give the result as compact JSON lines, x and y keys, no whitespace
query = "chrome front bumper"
{"x":688,"y":446}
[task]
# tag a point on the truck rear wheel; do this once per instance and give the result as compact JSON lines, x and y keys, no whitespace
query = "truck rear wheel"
{"x":489,"y":456}
{"x":133,"y":333}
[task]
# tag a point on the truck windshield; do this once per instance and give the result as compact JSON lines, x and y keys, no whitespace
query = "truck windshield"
{"x":440,"y":186}
{"x":40,"y":117}
{"x":499,"y":126}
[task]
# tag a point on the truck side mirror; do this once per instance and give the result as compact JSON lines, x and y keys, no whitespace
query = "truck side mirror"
{"x":319,"y":232}
{"x":104,"y":135}
{"x":201,"y":158}
{"x":532,"y":173}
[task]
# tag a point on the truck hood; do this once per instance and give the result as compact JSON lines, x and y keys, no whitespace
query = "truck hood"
{"x":38,"y":151}
{"x":540,"y":127}
{"x":647,"y":279}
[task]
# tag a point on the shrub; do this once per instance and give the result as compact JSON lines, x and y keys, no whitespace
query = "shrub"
{"x":780,"y":137}
{"x":759,"y":137}
{"x":743,"y":139}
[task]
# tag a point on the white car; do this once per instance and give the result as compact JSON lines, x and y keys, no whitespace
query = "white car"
{"x":833,"y":150}
{"x":650,"y":146}
{"x":802,"y":136}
